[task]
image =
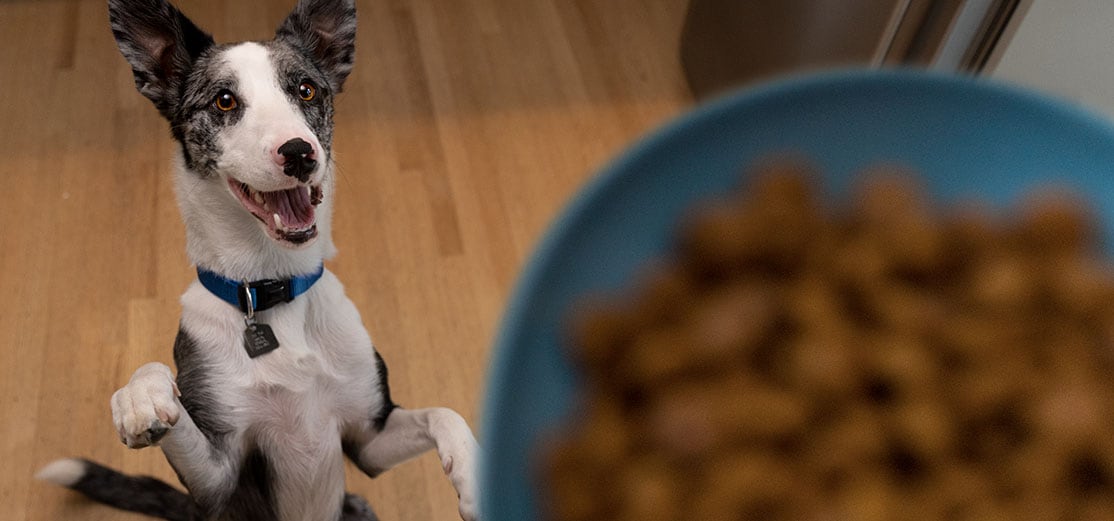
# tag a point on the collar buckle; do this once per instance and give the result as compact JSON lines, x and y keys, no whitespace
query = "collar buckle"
{"x":263,"y":294}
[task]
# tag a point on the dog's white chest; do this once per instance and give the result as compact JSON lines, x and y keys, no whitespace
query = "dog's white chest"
{"x":294,"y":403}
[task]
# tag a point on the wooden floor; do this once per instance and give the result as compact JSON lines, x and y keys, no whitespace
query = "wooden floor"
{"x":465,"y":127}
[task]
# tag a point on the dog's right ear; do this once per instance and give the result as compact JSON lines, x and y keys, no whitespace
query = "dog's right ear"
{"x":160,"y":44}
{"x":326,"y":31}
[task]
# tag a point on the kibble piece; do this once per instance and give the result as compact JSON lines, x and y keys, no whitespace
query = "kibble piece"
{"x":655,"y":356}
{"x":971,"y":234}
{"x":573,"y":486}
{"x":860,"y":263}
{"x":1071,"y":414}
{"x":600,"y":330}
{"x":787,"y":183}
{"x":1057,"y":223}
{"x":869,"y":498}
{"x":731,"y":321}
{"x":903,"y":308}
{"x":926,"y":427}
{"x":784,"y":211}
{"x":743,"y":485}
{"x":1003,"y":283}
{"x":823,"y":363}
{"x":886,"y":195}
{"x":963,"y":491}
{"x":649,"y":488}
{"x":906,"y":362}
{"x":665,"y":292}
{"x":1082,"y":285}
{"x":814,"y":302}
{"x":852,"y":440}
{"x":720,"y":238}
{"x":609,"y":438}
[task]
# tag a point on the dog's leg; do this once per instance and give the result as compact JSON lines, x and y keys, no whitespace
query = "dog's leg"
{"x":408,"y":433}
{"x":147,"y":412}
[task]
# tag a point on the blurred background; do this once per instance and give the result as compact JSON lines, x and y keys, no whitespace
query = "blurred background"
{"x":463,"y":130}
{"x":1060,"y":47}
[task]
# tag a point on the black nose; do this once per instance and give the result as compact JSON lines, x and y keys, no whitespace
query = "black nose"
{"x":298,"y":162}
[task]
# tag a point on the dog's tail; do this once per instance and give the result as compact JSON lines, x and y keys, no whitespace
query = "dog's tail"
{"x":140,"y":494}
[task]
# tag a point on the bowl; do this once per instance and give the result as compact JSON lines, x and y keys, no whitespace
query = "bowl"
{"x":966,"y":137}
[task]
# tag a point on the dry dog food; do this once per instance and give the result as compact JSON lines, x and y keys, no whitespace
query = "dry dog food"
{"x":880,"y":360}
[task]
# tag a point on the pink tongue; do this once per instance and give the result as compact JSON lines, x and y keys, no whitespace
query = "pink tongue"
{"x":293,"y":206}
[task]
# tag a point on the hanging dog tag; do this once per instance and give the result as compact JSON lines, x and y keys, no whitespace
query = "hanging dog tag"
{"x":259,"y":339}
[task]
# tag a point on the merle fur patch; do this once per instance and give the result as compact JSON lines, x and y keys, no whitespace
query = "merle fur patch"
{"x":292,"y":67}
{"x":324,"y":30}
{"x":195,"y":121}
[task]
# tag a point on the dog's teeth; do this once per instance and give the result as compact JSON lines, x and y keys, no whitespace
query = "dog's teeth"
{"x":258,"y":197}
{"x":278,"y":221}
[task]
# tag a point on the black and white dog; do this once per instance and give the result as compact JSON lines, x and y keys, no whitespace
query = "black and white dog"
{"x":277,"y":378}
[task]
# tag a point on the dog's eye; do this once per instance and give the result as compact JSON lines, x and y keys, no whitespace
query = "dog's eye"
{"x":225,"y":100}
{"x":307,"y":91}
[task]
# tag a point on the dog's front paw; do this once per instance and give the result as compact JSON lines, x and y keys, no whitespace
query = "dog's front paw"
{"x":145,"y":409}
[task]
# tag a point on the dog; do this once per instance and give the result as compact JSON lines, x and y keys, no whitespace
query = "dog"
{"x":277,"y":381}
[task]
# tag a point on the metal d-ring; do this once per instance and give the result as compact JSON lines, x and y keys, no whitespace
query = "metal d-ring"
{"x":251,"y":303}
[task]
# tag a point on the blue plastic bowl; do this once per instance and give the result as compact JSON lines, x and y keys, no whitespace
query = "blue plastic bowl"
{"x":964,"y":136}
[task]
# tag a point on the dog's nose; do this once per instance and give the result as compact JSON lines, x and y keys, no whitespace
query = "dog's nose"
{"x":298,"y":158}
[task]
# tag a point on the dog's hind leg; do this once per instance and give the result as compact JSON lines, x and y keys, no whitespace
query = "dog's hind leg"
{"x":409,"y":433}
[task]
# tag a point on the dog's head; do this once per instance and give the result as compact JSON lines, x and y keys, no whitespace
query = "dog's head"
{"x":254,"y":118}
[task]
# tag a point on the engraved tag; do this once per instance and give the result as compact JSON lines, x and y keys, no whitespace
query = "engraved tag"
{"x":259,"y":339}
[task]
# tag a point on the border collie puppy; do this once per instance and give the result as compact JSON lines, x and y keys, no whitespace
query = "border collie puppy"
{"x":278,"y":381}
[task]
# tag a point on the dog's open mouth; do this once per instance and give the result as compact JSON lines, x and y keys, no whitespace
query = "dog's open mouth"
{"x":288,"y":215}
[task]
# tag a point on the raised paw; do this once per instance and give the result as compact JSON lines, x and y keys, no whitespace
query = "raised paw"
{"x":144,"y":410}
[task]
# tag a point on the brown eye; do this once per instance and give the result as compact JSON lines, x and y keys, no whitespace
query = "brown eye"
{"x":307,"y":91}
{"x":225,"y":101}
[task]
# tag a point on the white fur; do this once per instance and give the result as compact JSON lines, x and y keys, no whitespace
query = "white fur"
{"x":296,"y":402}
{"x":64,"y":472}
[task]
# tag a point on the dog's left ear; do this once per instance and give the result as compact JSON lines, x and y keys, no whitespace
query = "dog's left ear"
{"x":326,"y":31}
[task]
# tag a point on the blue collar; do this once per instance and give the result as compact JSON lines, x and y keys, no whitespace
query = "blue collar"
{"x":262,"y":294}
